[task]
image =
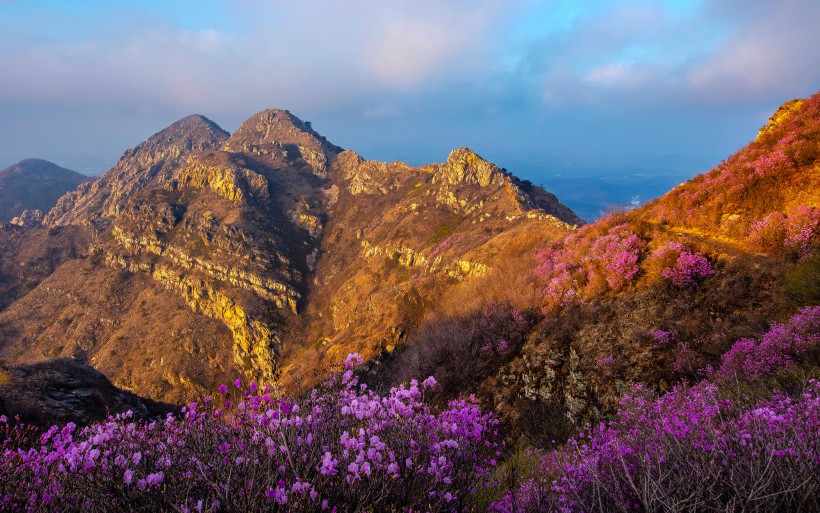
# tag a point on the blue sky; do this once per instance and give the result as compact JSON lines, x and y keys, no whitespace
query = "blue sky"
{"x":544,"y":88}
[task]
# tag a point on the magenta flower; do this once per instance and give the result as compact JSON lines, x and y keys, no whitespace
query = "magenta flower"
{"x":154,"y":479}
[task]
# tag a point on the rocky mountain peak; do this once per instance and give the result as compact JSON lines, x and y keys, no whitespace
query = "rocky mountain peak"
{"x":466,"y":166}
{"x":148,"y":165}
{"x":278,"y":135}
{"x":191,"y":133}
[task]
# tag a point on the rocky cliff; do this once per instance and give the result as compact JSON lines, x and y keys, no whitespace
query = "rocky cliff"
{"x":201,"y":256}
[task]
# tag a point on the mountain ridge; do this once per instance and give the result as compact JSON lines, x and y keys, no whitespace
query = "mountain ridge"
{"x":35,"y":185}
{"x":236,"y":229}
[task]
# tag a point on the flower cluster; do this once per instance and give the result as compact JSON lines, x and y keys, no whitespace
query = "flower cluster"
{"x":777,"y":351}
{"x":803,"y":231}
{"x":662,"y":338}
{"x":686,"y":268}
{"x":340,"y":448}
{"x":694,"y":449}
{"x":586,"y":263}
{"x":798,"y":233}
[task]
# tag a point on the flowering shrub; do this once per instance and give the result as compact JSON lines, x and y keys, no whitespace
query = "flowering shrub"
{"x":697,"y":448}
{"x":798,"y":233}
{"x":662,"y":338}
{"x":683,"y":268}
{"x":691,"y":450}
{"x":803,"y":231}
{"x":462,"y":352}
{"x":777,"y":351}
{"x":587,"y":264}
{"x":341,"y":448}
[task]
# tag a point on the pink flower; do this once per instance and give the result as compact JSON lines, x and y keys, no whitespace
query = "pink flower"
{"x":352,"y":360}
{"x":328,"y":466}
{"x":154,"y":479}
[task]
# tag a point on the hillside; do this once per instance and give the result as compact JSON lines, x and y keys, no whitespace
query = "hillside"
{"x":654,"y":295}
{"x":34,"y":184}
{"x":269,"y":252}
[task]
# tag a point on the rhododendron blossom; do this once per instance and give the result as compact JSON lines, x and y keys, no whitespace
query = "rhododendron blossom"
{"x":339,"y":448}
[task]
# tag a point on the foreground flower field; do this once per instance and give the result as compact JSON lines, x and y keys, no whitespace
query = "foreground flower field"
{"x":732,"y":442}
{"x":342,"y":448}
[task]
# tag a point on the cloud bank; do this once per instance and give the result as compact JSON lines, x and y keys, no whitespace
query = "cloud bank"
{"x":492,"y":71}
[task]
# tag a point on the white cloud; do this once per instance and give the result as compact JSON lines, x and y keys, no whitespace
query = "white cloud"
{"x":774,"y":53}
{"x":310,"y":54}
{"x":725,"y":52}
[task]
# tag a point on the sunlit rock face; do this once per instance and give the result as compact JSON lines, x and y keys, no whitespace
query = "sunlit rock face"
{"x":204,"y":255}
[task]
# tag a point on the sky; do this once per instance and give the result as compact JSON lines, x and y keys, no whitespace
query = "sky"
{"x":551,"y":89}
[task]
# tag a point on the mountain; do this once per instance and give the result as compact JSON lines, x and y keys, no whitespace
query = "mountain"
{"x":510,"y":356}
{"x":270,"y":254}
{"x":34,"y":184}
{"x":656,"y":295}
{"x":202,"y":256}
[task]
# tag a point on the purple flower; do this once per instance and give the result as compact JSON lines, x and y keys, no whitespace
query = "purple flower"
{"x":154,"y":479}
{"x":328,"y":466}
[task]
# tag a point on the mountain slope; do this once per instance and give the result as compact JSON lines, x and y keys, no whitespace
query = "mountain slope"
{"x":655,"y":295}
{"x":211,"y":255}
{"x":139,"y":168}
{"x":34,"y":184}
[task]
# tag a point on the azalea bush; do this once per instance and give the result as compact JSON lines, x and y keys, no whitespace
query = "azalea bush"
{"x":685,"y":269}
{"x":340,"y":448}
{"x":778,"y":351}
{"x":587,"y":263}
{"x":694,"y":449}
{"x":461,"y":352}
{"x":797,"y":234}
{"x":707,"y":447}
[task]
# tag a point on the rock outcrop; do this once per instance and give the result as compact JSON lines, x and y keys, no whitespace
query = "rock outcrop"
{"x":29,"y":219}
